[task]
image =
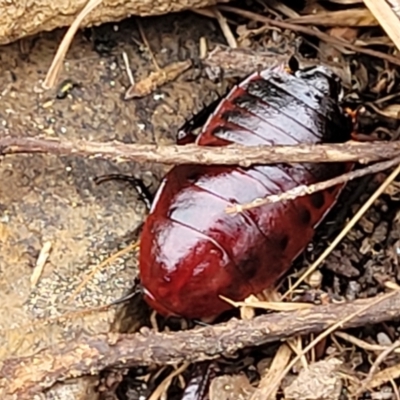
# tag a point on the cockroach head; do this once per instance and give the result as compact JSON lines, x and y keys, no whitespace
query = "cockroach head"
{"x":324,"y":79}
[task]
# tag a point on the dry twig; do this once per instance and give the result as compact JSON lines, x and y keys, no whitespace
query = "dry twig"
{"x":226,"y":30}
{"x":375,"y":366}
{"x":362,"y":343}
{"x":334,"y":41}
{"x":340,"y":323}
{"x":26,"y":376}
{"x":164,"y":385}
{"x":344,"y":231}
{"x":305,"y":190}
{"x":193,"y":154}
{"x":384,"y":376}
{"x":350,"y":17}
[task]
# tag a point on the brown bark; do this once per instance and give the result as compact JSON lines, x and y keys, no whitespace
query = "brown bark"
{"x":229,"y":155}
{"x":89,"y":355}
{"x":22,"y":18}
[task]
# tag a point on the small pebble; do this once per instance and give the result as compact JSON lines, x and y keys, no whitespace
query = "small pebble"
{"x":383,"y":339}
{"x":352,"y":290}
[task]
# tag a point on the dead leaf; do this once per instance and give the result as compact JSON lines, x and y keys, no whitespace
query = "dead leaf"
{"x":321,"y":381}
{"x":351,"y":17}
{"x":157,"y":79}
{"x":279,"y":363}
{"x":228,"y":387}
{"x":386,"y":13}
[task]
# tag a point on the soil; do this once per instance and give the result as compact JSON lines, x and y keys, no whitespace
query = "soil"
{"x":51,"y":199}
{"x":54,"y":199}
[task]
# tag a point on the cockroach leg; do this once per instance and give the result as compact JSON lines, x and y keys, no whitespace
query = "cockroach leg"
{"x":142,"y":190}
{"x":201,"y":323}
{"x":138,"y":289}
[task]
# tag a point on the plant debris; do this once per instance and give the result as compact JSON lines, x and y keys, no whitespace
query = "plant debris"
{"x":330,"y":329}
{"x":157,"y":79}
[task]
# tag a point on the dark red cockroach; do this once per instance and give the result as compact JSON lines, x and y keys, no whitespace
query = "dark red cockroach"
{"x":191,"y":250}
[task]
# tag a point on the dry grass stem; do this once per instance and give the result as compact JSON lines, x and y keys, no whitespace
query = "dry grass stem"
{"x":350,"y":17}
{"x":128,"y":68}
{"x":305,"y":190}
{"x":269,"y":305}
{"x":386,"y":16}
{"x":375,"y":366}
{"x":164,"y":385}
{"x":344,"y":231}
{"x":384,"y":376}
{"x":312,"y":32}
{"x":40,"y":263}
{"x":147,"y":44}
{"x":320,"y":337}
{"x":296,"y":344}
{"x":55,"y":67}
{"x":362,"y":344}
{"x":226,"y":30}
{"x":395,"y":388}
{"x":279,"y":363}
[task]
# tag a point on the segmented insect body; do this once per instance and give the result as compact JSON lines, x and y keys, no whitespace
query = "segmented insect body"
{"x":192,"y":251}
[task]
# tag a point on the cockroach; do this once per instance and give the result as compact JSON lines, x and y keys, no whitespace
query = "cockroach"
{"x":192,"y":251}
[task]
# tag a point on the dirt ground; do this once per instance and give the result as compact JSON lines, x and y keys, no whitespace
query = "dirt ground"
{"x":50,"y":199}
{"x":54,"y":199}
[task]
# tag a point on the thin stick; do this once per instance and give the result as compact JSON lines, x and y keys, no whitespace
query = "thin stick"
{"x":312,"y":32}
{"x":305,"y":190}
{"x":226,"y":30}
{"x":147,"y":44}
{"x":363,"y":344}
{"x":163,"y":386}
{"x":55,"y":67}
{"x":128,"y":68}
{"x":375,"y":366}
{"x":395,"y":389}
{"x":28,"y":375}
{"x":344,"y":232}
{"x":320,"y":337}
{"x":193,"y":154}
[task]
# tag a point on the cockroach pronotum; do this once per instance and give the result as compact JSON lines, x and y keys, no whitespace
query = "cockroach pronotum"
{"x":192,"y":251}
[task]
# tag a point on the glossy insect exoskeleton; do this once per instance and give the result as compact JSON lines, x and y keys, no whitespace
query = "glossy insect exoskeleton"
{"x":192,"y":251}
